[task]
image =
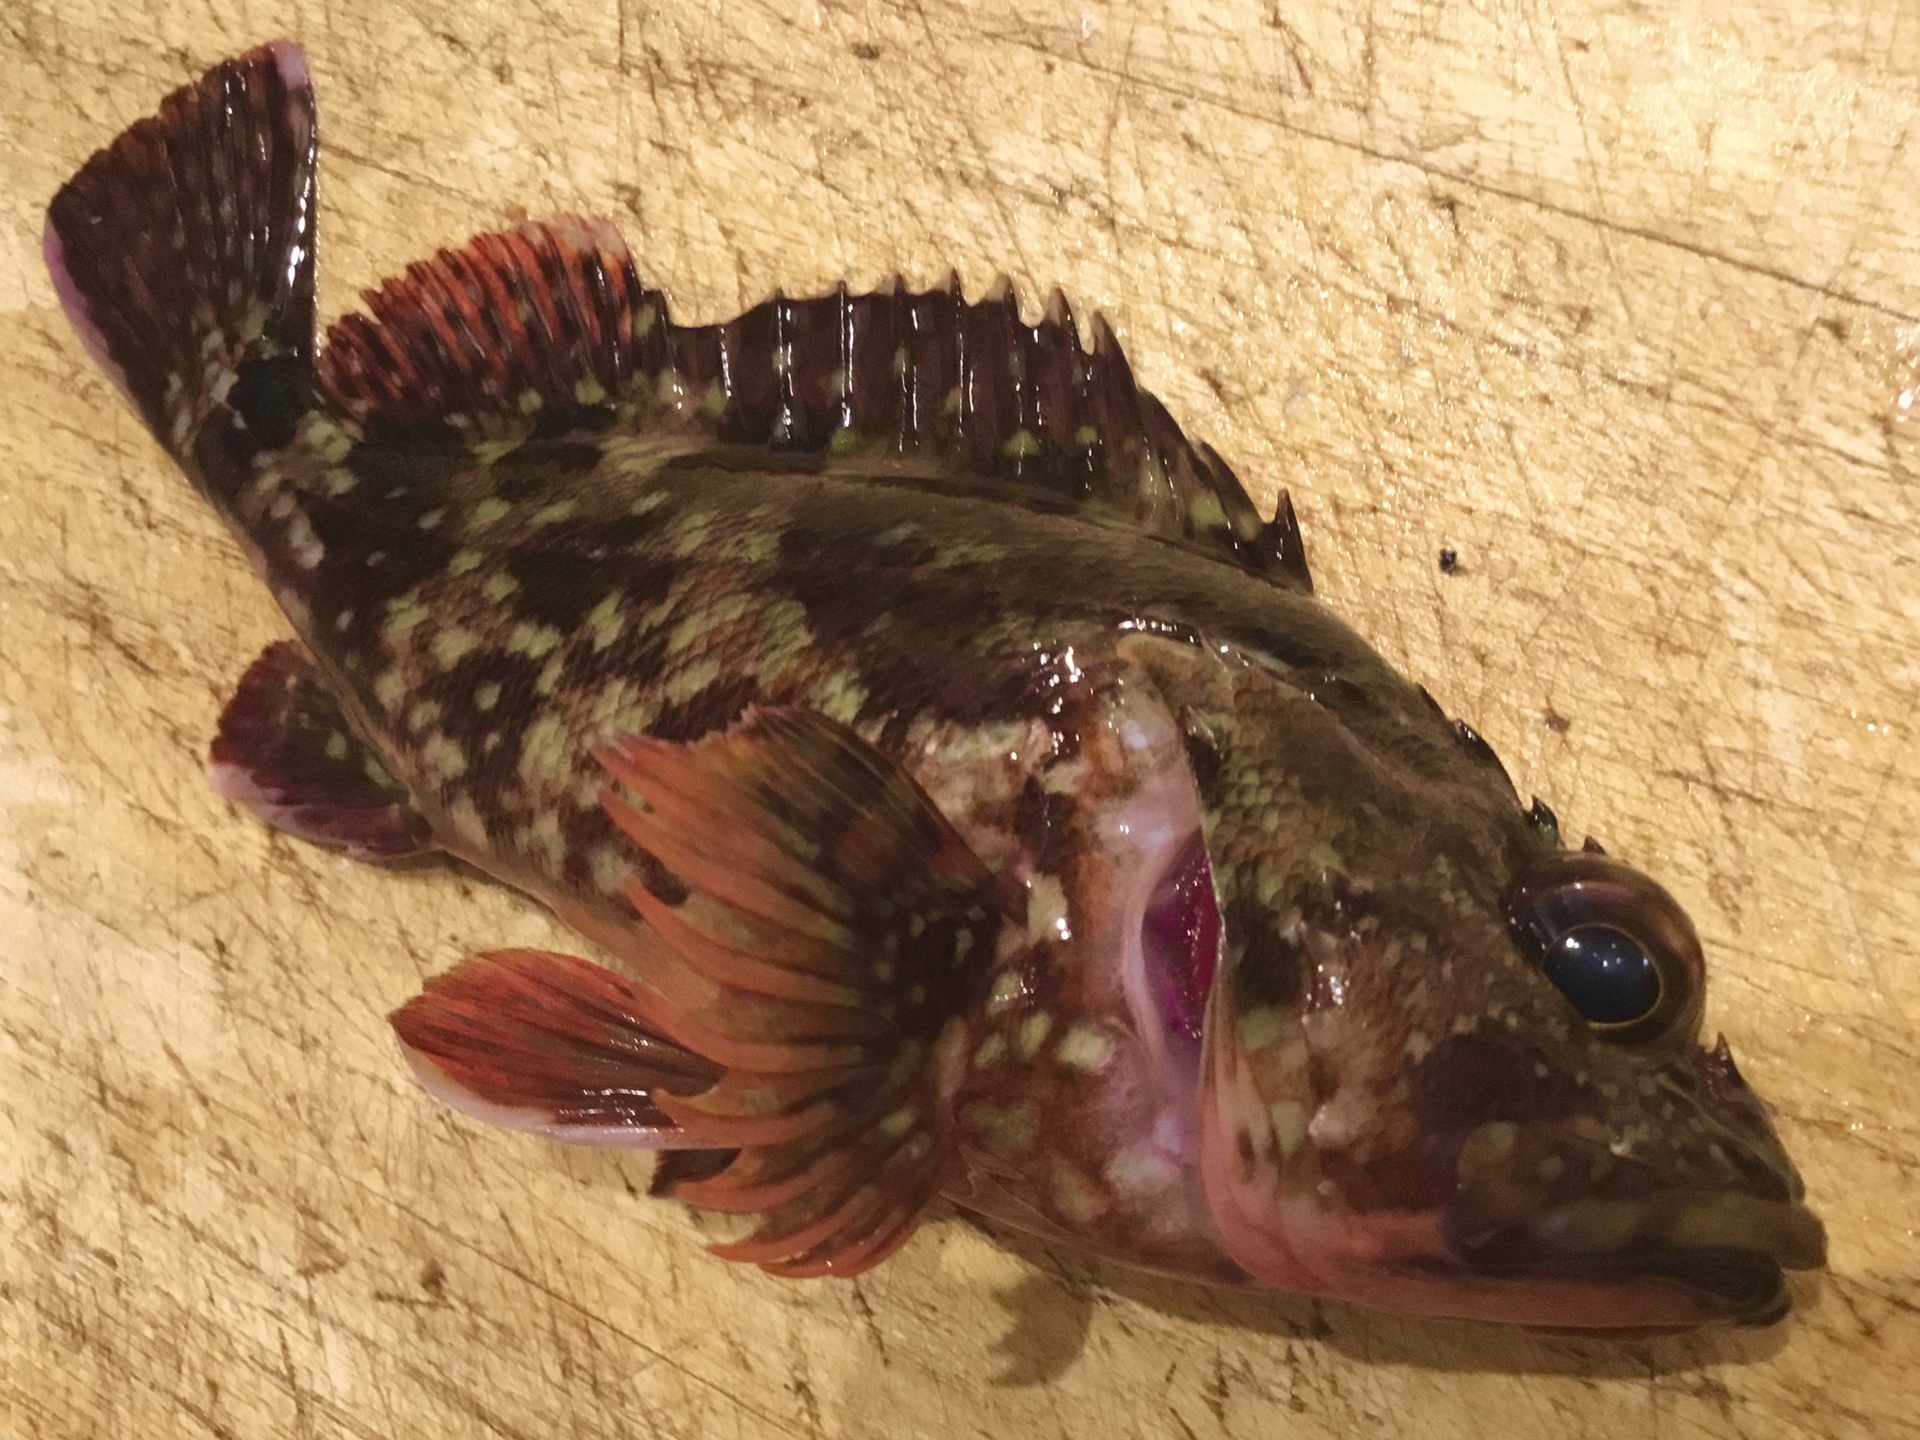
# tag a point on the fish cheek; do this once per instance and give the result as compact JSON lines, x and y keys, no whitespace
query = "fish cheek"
{"x":1270,"y":969}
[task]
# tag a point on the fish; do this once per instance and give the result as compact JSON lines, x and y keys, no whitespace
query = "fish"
{"x":958,"y":791}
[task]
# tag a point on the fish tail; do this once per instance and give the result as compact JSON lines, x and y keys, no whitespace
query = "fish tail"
{"x":183,"y":255}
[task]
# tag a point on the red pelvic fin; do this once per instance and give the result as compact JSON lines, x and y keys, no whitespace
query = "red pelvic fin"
{"x":536,"y":1041}
{"x":837,"y":931}
{"x":287,"y":752}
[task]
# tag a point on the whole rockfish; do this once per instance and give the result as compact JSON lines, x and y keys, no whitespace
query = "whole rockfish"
{"x":965,"y":788}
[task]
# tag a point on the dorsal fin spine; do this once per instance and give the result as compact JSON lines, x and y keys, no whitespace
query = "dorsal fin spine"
{"x":543,"y":319}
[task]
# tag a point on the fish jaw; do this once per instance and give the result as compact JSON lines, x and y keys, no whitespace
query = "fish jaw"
{"x":1397,"y":1106}
{"x":1497,"y":1240}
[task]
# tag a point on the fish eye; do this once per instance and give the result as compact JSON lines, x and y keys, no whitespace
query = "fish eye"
{"x":1614,"y":943}
{"x":1605,"y":972}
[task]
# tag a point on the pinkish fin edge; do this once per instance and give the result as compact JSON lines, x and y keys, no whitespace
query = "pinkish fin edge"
{"x":286,"y":751}
{"x":530,"y":1040}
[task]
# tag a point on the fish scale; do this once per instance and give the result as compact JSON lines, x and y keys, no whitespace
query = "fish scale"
{"x":961,"y":784}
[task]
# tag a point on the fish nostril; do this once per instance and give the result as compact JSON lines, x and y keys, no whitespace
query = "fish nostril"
{"x":1180,"y":936}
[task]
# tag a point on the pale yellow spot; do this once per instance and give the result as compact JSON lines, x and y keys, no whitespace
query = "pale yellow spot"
{"x":1259,"y":1028}
{"x":1005,"y":1129}
{"x":532,"y":640}
{"x":1032,"y":1034}
{"x":464,"y":561}
{"x":442,"y":758}
{"x":390,"y":688}
{"x":1047,"y":910}
{"x":340,"y":481}
{"x":992,"y":1051}
{"x":691,"y":680}
{"x":490,"y":510}
{"x":1142,"y":1169}
{"x":487,"y":696}
{"x":542,"y":837}
{"x":466,"y":822}
{"x":403,"y":616}
{"x":423,"y":714}
{"x":550,"y":675}
{"x":1085,"y":1047}
{"x":1077,"y":1199}
{"x":703,"y":622}
{"x":543,"y":750}
{"x":1205,"y":512}
{"x":451,"y":646}
{"x":690,"y":533}
{"x":336,"y":746}
{"x":622,"y":708}
{"x":840,"y":696}
{"x":604,"y":622}
{"x":610,"y":872}
{"x":549,"y":514}
{"x":431,"y":520}
{"x":498,"y":586}
{"x":1288,"y":1122}
{"x":1007,"y":988}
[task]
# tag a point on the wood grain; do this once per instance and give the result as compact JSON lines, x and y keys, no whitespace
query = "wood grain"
{"x":1618,"y":301}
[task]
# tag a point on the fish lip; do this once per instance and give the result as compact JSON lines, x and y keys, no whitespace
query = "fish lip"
{"x":1742,"y":1283}
{"x":1743,"y":1287}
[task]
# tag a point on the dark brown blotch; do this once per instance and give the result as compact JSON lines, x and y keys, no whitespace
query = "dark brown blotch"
{"x":1272,"y":969}
{"x":539,"y":465}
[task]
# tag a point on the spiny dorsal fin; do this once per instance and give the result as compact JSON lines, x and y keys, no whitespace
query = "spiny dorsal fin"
{"x":492,"y":334}
{"x":533,"y":327}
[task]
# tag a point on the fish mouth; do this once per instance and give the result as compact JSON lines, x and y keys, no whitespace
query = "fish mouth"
{"x":1724,"y":1254}
{"x":1725,"y":1262}
{"x":1721,"y":1254}
{"x":1477,"y":1241}
{"x":1741,"y":1286}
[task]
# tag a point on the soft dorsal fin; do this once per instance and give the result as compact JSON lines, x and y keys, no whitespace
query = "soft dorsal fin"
{"x":530,"y":328}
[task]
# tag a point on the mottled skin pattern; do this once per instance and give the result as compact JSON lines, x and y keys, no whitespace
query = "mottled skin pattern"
{"x":627,"y":589}
{"x":518,"y":515}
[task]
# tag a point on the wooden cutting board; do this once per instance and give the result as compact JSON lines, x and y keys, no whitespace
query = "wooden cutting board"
{"x":1617,"y":301}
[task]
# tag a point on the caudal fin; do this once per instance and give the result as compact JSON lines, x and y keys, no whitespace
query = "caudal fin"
{"x":183,"y":255}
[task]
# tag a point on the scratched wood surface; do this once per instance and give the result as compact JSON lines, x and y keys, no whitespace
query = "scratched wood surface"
{"x":1617,"y":301}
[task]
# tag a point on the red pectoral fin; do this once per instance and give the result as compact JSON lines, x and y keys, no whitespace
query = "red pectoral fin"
{"x":837,"y":932}
{"x":543,"y":1042}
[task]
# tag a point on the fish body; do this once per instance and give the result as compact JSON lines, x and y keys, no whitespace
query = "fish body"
{"x":965,"y":787}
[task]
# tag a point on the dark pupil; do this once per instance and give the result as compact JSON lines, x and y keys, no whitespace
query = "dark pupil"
{"x":1605,"y":972}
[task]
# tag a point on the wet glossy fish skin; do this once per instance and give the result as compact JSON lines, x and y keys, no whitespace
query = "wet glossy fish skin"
{"x":518,"y":516}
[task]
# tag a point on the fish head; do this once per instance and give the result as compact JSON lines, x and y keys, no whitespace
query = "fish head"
{"x":1449,"y":1067}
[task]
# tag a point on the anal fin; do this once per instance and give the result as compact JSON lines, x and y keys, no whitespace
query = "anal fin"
{"x":836,"y":938}
{"x":529,"y":1040}
{"x":287,"y":752}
